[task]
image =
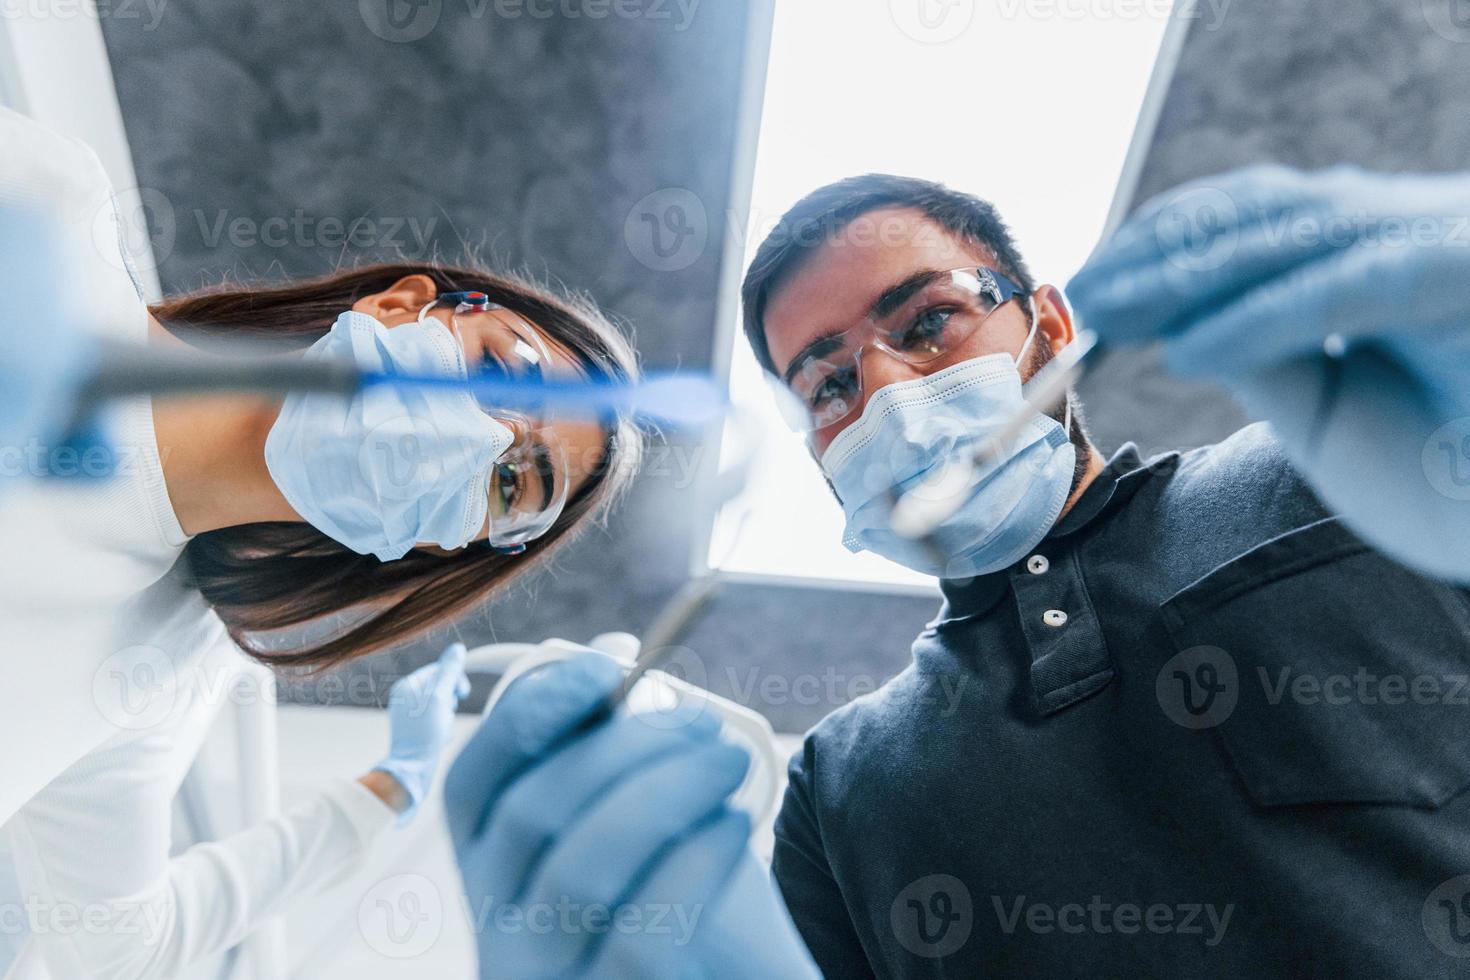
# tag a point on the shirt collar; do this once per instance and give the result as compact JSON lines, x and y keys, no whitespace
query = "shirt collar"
{"x":1124,"y":473}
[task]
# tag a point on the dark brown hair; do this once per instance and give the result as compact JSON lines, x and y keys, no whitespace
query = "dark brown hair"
{"x":270,"y":576}
{"x":826,"y":211}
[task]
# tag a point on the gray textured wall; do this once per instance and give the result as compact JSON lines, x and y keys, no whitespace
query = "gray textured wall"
{"x":271,"y":129}
{"x":535,"y":138}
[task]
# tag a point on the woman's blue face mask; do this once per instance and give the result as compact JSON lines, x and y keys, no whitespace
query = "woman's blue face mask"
{"x":389,"y":467}
{"x":905,"y":439}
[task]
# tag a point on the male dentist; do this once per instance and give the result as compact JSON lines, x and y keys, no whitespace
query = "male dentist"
{"x":1203,"y":730}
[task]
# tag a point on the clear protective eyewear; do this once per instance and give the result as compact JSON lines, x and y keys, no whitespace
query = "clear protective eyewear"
{"x":920,"y":320}
{"x":528,"y":482}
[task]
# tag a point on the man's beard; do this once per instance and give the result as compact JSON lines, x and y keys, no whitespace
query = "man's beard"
{"x":1041,"y":355}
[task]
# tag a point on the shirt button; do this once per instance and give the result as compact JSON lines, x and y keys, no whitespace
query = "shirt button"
{"x":1054,"y":617}
{"x":1037,"y":564}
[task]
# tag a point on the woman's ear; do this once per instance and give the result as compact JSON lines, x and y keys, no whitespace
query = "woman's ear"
{"x":1053,"y":317}
{"x":400,"y":302}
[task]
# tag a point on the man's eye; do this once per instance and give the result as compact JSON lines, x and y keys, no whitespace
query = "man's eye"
{"x":926,"y":328}
{"x":837,"y":385}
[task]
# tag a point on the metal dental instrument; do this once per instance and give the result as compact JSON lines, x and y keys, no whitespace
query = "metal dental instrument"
{"x":128,"y":369}
{"x":919,"y":512}
{"x":658,"y":646}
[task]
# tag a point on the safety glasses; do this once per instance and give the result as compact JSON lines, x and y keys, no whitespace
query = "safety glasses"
{"x":921,"y":319}
{"x":528,"y":482}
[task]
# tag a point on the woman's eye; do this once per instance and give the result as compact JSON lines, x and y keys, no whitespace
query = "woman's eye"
{"x":505,"y":488}
{"x":489,"y":357}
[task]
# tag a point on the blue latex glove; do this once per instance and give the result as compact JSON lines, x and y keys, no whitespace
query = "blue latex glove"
{"x":421,"y":715}
{"x":43,"y":358}
{"x":1249,"y":279}
{"x":630,"y":820}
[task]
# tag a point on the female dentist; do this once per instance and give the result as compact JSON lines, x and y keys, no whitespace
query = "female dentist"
{"x":125,"y":599}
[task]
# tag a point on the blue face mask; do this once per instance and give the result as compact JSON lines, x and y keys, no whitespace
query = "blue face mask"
{"x":906,"y":437}
{"x":388,"y":468}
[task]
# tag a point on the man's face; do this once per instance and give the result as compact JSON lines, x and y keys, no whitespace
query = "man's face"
{"x":840,"y":280}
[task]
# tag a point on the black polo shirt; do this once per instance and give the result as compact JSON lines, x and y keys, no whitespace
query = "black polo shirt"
{"x":1203,"y":731}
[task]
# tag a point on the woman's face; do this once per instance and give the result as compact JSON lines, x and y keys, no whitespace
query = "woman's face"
{"x":489,"y":337}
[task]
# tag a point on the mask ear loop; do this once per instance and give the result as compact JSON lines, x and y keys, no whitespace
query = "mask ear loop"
{"x":453,"y":320}
{"x":1020,"y":357}
{"x":1030,"y":337}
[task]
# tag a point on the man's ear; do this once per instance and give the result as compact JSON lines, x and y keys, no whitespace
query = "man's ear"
{"x":1053,"y":317}
{"x":400,"y":302}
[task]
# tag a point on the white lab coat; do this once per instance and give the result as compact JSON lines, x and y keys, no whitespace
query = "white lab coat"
{"x":111,"y":670}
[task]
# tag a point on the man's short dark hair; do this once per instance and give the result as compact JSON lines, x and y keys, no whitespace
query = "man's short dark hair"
{"x":822,"y":214}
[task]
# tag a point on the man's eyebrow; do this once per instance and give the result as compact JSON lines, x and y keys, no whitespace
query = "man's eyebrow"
{"x":896,"y":295}
{"x":889,"y":300}
{"x":815,"y":349}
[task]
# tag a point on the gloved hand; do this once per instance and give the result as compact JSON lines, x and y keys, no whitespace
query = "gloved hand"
{"x":615,"y":853}
{"x":43,"y":358}
{"x":1337,"y":306}
{"x":421,"y":715}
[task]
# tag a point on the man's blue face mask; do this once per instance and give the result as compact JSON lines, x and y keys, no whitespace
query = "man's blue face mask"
{"x":906,"y":438}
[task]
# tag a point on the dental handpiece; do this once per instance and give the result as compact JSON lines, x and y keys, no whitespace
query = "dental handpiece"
{"x":129,"y":369}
